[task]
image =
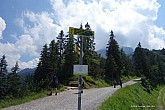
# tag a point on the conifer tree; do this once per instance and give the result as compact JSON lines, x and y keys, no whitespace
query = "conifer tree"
{"x":126,"y":70}
{"x":53,"y":59}
{"x":3,"y":77}
{"x":61,"y":48}
{"x":41,"y":75}
{"x":61,"y":43}
{"x":14,"y":81}
{"x":88,"y":49}
{"x":114,"y":53}
{"x":111,"y":67}
{"x":71,"y":57}
{"x":141,"y":61}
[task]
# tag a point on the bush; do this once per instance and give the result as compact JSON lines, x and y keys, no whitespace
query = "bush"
{"x":146,"y":83}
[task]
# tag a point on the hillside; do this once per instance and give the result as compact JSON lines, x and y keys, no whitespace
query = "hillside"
{"x":132,"y":97}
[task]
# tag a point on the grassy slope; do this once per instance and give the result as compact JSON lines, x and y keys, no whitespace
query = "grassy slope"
{"x":131,"y":97}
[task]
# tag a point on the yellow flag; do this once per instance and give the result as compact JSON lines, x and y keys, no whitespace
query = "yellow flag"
{"x":77,"y":49}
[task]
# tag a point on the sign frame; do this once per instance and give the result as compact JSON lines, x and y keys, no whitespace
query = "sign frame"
{"x":80,"y":69}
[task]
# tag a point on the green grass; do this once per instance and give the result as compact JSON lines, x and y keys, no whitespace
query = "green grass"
{"x":33,"y":96}
{"x":131,"y":98}
{"x":101,"y":83}
{"x":94,"y":83}
{"x":90,"y":82}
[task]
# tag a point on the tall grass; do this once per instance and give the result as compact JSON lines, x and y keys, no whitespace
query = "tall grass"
{"x":132,"y":98}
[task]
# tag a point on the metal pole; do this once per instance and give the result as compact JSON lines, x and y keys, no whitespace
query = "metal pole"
{"x":80,"y":77}
{"x":81,"y":50}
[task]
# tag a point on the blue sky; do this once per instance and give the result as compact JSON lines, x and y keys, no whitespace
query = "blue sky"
{"x":26,"y":25}
{"x":161,"y":14}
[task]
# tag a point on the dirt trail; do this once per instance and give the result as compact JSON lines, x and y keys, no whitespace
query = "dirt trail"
{"x":161,"y":99}
{"x":67,"y":100}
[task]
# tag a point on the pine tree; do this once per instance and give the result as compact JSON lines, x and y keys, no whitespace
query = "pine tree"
{"x":61,"y":43}
{"x":3,"y":77}
{"x":71,"y":57}
{"x":126,"y":70}
{"x":141,"y":61}
{"x":111,"y":67}
{"x":41,"y":75}
{"x":61,"y":48}
{"x":113,"y":52}
{"x":14,"y":81}
{"x":161,"y":71}
{"x":54,"y":60}
{"x":88,"y":49}
{"x":97,"y":66}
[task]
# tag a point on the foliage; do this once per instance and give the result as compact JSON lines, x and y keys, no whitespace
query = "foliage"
{"x":14,"y":81}
{"x":70,"y":56}
{"x":41,"y":73}
{"x":141,"y":61}
{"x":88,"y":51}
{"x":111,"y":67}
{"x":127,"y":68}
{"x":131,"y":97}
{"x":3,"y":77}
{"x":114,"y":65}
{"x":146,"y":83}
{"x":148,"y":64}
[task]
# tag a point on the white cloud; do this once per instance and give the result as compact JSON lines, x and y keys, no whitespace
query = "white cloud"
{"x":43,"y":30}
{"x":2,"y":26}
{"x":30,"y":64}
{"x":157,"y":37}
{"x":131,"y":20}
{"x":38,"y":29}
{"x":11,"y":53}
{"x":26,"y":45}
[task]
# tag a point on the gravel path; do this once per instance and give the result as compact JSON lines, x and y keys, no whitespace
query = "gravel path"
{"x":160,"y":100}
{"x":67,"y":100}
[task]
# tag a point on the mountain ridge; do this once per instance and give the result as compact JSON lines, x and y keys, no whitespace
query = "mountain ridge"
{"x":127,"y":50}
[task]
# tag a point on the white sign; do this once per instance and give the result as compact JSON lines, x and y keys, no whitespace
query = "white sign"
{"x":80,"y":69}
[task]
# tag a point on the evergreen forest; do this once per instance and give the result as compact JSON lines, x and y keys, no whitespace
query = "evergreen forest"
{"x":59,"y":56}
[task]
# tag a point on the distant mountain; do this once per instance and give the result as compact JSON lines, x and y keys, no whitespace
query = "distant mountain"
{"x":102,"y":52}
{"x":23,"y":73}
{"x":127,"y":50}
{"x":27,"y":71}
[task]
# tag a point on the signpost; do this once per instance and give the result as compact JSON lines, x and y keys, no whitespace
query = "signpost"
{"x":81,"y":32}
{"x":80,"y":69}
